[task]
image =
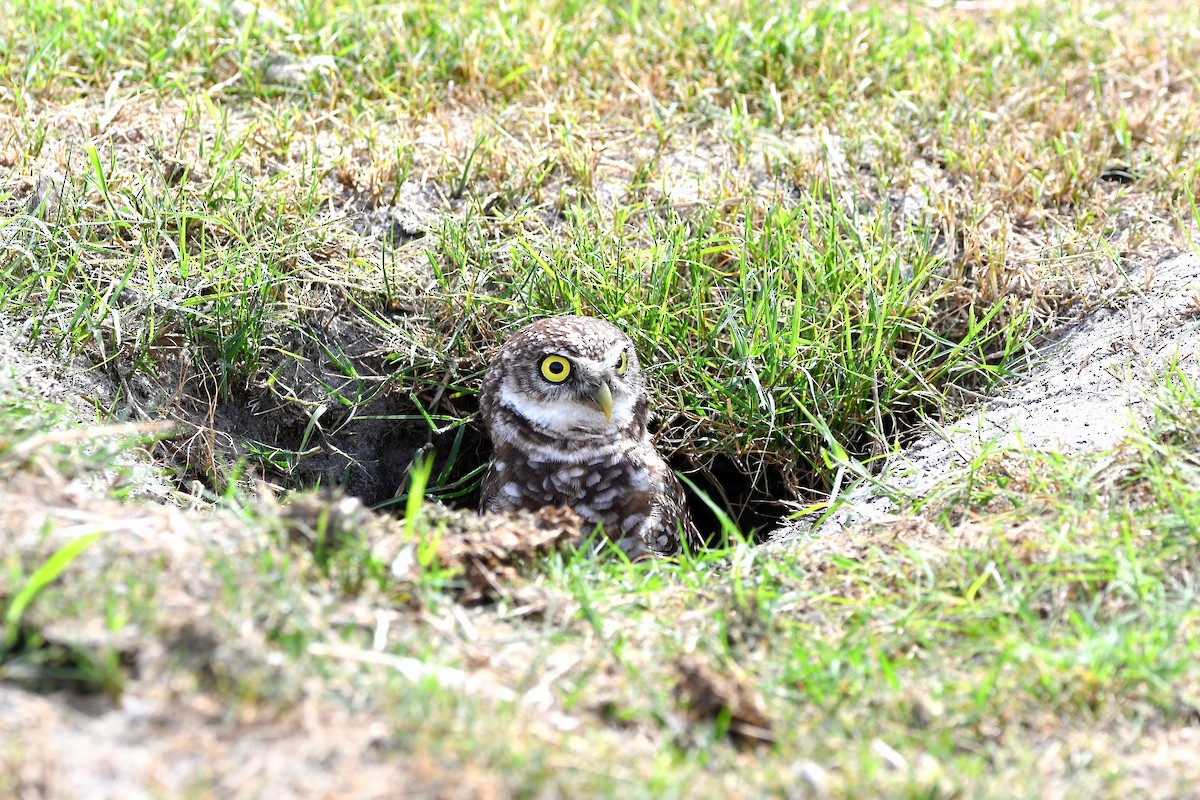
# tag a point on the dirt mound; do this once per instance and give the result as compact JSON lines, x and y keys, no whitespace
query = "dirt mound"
{"x":1087,"y":385}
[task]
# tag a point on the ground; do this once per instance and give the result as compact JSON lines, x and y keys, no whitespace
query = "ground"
{"x":917,"y":290}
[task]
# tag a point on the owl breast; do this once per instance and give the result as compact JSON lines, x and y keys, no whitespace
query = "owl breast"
{"x":617,"y":493}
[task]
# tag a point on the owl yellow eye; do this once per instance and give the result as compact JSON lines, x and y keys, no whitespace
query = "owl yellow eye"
{"x":555,"y":369}
{"x":622,"y":363}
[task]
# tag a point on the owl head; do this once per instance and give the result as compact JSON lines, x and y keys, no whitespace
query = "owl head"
{"x":565,"y":378}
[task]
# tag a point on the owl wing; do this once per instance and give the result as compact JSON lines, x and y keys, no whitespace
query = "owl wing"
{"x":506,"y":485}
{"x":675,"y":514}
{"x":668,"y":523}
{"x":491,"y":492}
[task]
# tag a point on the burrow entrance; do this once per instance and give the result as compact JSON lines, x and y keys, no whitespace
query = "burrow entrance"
{"x":367,"y":451}
{"x":341,"y":412}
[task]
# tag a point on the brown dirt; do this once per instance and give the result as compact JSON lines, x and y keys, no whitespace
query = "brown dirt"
{"x":175,"y":728}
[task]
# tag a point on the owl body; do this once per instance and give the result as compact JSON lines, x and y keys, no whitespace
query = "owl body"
{"x":567,"y":410}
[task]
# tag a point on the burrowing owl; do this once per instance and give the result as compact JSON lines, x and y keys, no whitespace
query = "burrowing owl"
{"x":566,"y":407}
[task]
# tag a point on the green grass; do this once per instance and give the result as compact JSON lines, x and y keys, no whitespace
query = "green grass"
{"x":787,"y":310}
{"x":820,"y":223}
{"x":771,"y":336}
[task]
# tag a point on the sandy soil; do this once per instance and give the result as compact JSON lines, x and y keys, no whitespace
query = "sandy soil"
{"x":1090,"y":382}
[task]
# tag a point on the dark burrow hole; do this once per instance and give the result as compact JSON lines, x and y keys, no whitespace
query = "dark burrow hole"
{"x":753,"y":503}
{"x":370,"y":456}
{"x":366,"y":447}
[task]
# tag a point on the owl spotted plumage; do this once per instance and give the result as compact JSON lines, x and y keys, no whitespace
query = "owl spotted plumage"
{"x":566,"y":406}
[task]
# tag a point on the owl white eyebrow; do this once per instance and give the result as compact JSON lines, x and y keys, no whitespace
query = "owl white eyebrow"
{"x":614,"y":356}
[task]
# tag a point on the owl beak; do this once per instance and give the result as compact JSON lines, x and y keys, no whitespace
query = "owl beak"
{"x":603,"y":400}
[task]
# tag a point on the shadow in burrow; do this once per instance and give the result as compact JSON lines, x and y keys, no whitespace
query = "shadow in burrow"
{"x":366,"y":437}
{"x":370,"y":455}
